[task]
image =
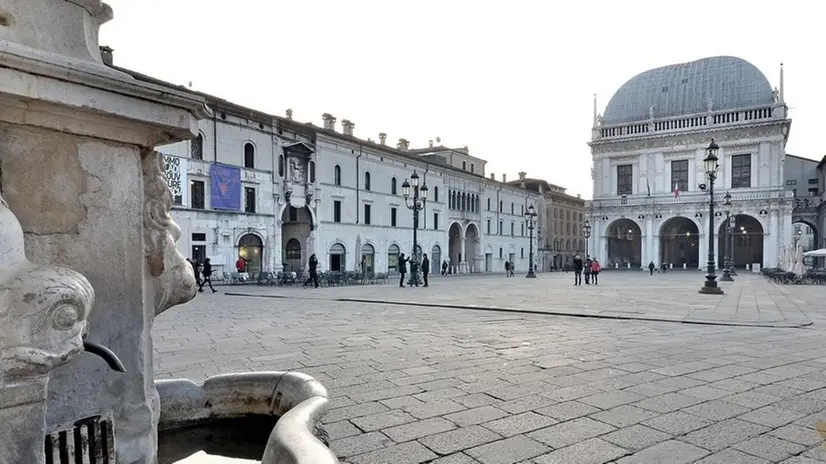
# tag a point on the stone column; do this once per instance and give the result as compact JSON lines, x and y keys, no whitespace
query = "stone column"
{"x":461,"y":265}
{"x":79,"y":172}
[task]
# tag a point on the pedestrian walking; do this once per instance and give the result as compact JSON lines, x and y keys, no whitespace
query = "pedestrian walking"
{"x":444,"y":267}
{"x":651,"y":268}
{"x":595,"y":268}
{"x":207,"y":276}
{"x":425,"y":269}
{"x":313,"y":265}
{"x":513,"y":268}
{"x":402,"y":269}
{"x":577,"y":270}
{"x":507,"y":268}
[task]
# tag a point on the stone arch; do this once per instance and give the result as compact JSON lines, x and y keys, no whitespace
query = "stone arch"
{"x":800,"y":233}
{"x":393,"y":251}
{"x":337,"y":252}
{"x":251,"y":248}
{"x":298,"y":225}
{"x":455,"y":234}
{"x":472,"y":245}
{"x":680,"y":243}
{"x":624,"y":244}
{"x":744,"y":245}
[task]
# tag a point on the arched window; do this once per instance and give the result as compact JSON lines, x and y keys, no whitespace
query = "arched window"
{"x":488,"y":204}
{"x":393,"y":186}
{"x":337,"y":175}
{"x":293,"y":249}
{"x":511,"y":207}
{"x":436,"y":193}
{"x":249,"y":156}
{"x":312,"y":172}
{"x":366,"y":181}
{"x":281,"y":165}
{"x":196,"y":147}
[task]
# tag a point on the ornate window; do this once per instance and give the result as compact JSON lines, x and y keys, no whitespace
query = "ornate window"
{"x":625,"y":179}
{"x":367,"y":181}
{"x":741,"y":171}
{"x":679,"y":175}
{"x":249,"y":156}
{"x":393,"y":186}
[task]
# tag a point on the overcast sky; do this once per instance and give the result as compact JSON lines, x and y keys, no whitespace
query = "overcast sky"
{"x":512,"y":80}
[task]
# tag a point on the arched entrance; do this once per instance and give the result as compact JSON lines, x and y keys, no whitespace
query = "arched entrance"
{"x":472,"y":247}
{"x":296,"y":227}
{"x":806,"y":235}
{"x":455,"y":251}
{"x":435,"y":259}
{"x":393,"y":258}
{"x":338,"y":254}
{"x":368,"y":261}
{"x":624,"y":244}
{"x":251,"y":248}
{"x":680,"y":243}
{"x":746,"y":248}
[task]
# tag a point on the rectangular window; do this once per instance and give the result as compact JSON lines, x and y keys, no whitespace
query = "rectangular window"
{"x":199,"y":237}
{"x":199,"y":253}
{"x":501,"y":227}
{"x":464,"y":165}
{"x":471,"y":167}
{"x":512,"y":228}
{"x":741,"y":171}
{"x":500,"y":253}
{"x":367,"y":214}
{"x":812,"y":181}
{"x":488,"y":232}
{"x":679,"y":175}
{"x":197,"y":193}
{"x":336,"y":211}
{"x":249,"y":200}
{"x":523,"y":230}
{"x":625,"y":179}
{"x":435,"y":221}
{"x":393,"y":217}
{"x":521,"y":252}
{"x":791,"y":182}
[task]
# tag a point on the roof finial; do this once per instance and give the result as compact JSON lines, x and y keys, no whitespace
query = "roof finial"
{"x":782,"y":100}
{"x":595,"y":110}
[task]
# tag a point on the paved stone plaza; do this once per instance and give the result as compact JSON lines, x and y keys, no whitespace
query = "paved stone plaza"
{"x":412,"y":383}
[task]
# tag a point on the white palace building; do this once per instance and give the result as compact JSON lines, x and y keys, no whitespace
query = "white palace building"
{"x":648,"y":150}
{"x":274,"y":191}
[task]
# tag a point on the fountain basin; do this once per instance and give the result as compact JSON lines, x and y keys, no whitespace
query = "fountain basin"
{"x":271,"y":417}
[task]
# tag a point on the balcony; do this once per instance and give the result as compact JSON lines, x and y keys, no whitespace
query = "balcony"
{"x":686,"y":198}
{"x":711,"y":120}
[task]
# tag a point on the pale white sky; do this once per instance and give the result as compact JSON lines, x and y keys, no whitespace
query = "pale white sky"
{"x":512,"y":80}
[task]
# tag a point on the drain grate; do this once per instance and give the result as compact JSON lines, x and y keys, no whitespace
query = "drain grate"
{"x":88,"y":441}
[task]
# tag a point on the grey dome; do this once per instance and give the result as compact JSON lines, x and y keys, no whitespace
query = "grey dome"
{"x":686,"y":88}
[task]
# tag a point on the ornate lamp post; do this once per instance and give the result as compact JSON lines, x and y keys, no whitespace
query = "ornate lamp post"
{"x":530,"y":219}
{"x":727,"y":263}
{"x":710,"y":286}
{"x":416,"y":205}
{"x":586,"y":231}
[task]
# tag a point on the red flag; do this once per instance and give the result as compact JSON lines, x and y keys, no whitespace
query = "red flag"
{"x":676,"y":191}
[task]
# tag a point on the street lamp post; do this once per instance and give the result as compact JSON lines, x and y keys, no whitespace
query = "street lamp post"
{"x":710,"y":286}
{"x":586,"y":230}
{"x":530,"y":218}
{"x":416,"y":205}
{"x":727,"y":263}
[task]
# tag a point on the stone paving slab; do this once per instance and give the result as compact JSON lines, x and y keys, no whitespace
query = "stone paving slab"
{"x":420,"y":384}
{"x":748,"y":301}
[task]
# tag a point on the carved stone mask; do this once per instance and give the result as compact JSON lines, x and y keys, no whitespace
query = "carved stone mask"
{"x":44,"y":318}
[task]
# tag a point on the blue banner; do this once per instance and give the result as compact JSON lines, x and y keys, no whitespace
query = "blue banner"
{"x":225,"y":191}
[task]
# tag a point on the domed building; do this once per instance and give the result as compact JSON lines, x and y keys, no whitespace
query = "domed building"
{"x":650,"y":187}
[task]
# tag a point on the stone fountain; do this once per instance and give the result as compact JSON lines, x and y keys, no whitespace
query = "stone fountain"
{"x":87,"y":246}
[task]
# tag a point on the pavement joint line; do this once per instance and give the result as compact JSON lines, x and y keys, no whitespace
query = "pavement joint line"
{"x":777,"y":325}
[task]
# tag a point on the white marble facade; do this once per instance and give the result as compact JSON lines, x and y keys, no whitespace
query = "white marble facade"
{"x":638,"y":160}
{"x":326,"y":173}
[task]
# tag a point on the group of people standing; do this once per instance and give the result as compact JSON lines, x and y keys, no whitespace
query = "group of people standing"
{"x":589,"y":267}
{"x":414,"y":270}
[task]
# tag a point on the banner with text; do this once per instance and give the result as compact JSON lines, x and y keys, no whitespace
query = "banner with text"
{"x":176,"y":179}
{"x":225,"y":187}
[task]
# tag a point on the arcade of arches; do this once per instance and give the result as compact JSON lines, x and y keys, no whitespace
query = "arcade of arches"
{"x":463,"y":248}
{"x":296,"y":226}
{"x":624,"y":239}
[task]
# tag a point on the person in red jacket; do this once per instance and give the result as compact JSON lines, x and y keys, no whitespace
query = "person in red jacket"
{"x":241,"y":264}
{"x":595,"y":268}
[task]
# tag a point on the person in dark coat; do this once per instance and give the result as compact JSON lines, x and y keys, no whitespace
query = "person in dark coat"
{"x":578,"y":265}
{"x":313,"y":264}
{"x":586,"y":269}
{"x":651,"y":268}
{"x":414,"y":271}
{"x":195,"y":271}
{"x":425,"y":269}
{"x":207,"y":276}
{"x":444,"y":268}
{"x":402,"y":268}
